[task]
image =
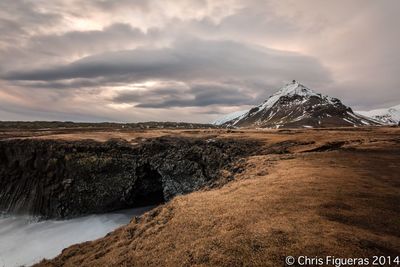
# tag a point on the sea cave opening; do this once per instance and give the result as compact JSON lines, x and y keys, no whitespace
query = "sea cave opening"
{"x":148,"y":189}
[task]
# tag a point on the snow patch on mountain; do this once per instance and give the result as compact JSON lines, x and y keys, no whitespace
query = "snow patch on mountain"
{"x":291,"y":89}
{"x":229,"y":117}
{"x":385,"y":115}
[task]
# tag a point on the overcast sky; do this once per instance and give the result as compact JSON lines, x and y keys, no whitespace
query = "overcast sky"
{"x":131,"y":60}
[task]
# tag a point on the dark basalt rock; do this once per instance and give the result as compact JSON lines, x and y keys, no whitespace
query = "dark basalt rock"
{"x":57,"y":179}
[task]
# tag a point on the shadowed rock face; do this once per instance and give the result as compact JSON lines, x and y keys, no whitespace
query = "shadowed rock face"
{"x":57,"y":179}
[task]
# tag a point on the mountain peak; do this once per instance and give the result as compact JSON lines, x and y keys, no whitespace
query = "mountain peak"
{"x":295,"y":88}
{"x":295,"y":105}
{"x":290,"y":89}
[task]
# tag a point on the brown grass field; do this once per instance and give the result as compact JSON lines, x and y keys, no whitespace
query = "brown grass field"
{"x":313,"y":192}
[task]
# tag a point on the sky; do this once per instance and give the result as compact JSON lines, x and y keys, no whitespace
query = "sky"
{"x":193,"y":60}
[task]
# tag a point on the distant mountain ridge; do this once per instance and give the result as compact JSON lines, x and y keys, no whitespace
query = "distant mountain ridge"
{"x":385,"y":115}
{"x":295,"y":105}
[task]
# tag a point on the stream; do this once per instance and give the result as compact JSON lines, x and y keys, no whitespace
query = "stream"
{"x":24,"y":240}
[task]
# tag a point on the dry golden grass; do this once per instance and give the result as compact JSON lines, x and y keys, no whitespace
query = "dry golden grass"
{"x":344,"y":203}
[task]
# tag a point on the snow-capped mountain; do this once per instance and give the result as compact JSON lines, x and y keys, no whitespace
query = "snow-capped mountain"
{"x":295,"y":105}
{"x":385,"y":115}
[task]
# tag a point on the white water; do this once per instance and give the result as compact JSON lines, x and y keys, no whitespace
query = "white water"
{"x":25,"y":242}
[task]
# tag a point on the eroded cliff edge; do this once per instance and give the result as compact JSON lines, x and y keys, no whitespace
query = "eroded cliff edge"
{"x":57,"y":179}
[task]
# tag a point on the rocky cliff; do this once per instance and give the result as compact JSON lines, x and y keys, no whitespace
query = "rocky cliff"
{"x":57,"y":179}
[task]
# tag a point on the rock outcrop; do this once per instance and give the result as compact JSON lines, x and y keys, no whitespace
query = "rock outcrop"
{"x":57,"y":179}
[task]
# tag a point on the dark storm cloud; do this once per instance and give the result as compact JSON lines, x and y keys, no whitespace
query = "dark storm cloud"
{"x":188,"y":60}
{"x":196,"y":95}
{"x":76,"y":83}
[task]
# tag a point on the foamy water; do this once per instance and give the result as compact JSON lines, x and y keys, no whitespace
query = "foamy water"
{"x":24,"y":241}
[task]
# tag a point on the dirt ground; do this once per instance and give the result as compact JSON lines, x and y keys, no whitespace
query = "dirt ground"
{"x":309,"y":192}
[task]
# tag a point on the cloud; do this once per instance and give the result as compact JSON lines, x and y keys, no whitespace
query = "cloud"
{"x":21,"y":18}
{"x":207,"y":73}
{"x":189,"y":59}
{"x":193,"y":59}
{"x":80,"y":43}
{"x":184,"y":95}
